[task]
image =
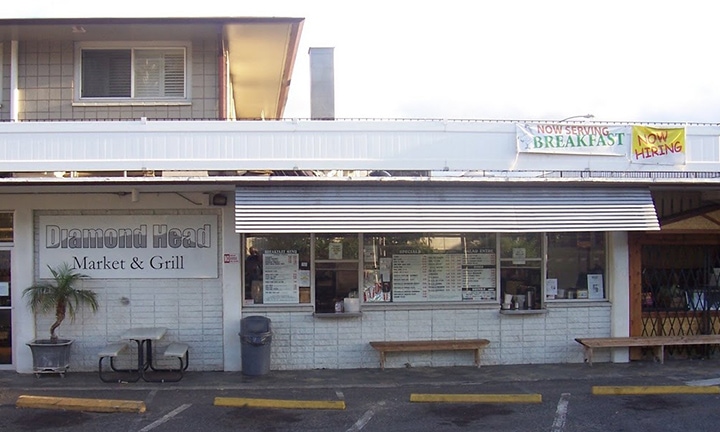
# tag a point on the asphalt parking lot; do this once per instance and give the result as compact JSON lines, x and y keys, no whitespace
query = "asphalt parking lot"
{"x":677,"y":395}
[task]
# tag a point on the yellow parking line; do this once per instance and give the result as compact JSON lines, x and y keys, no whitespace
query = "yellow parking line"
{"x":477,"y":398}
{"x":78,"y":404}
{"x":653,"y":390}
{"x":278,"y":403}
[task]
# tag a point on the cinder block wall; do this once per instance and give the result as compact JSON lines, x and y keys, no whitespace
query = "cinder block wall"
{"x":46,"y":80}
{"x":301,"y":341}
{"x":191,"y":310}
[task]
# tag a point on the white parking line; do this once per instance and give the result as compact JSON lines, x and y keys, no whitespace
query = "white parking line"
{"x":561,"y":413}
{"x":362,"y":421}
{"x":151,"y":395}
{"x":705,"y":382}
{"x":165,"y":418}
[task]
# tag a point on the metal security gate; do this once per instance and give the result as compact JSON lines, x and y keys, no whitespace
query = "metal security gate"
{"x":681,"y":293}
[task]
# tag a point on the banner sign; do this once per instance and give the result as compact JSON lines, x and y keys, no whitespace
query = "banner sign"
{"x":559,"y":138}
{"x":660,"y":146}
{"x":130,"y":247}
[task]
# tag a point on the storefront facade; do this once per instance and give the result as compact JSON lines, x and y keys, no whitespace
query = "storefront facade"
{"x":435,"y":257}
{"x":163,"y":262}
{"x":341,"y":232}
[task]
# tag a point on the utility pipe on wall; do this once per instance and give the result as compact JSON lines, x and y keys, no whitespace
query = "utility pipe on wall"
{"x":222,"y":78}
{"x":14,"y":91}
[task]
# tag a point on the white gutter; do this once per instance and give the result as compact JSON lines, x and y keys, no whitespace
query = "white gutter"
{"x":189,"y":182}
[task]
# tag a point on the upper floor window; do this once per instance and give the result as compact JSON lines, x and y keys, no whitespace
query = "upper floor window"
{"x":133,"y":73}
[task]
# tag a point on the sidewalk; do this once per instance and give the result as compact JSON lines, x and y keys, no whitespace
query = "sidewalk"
{"x":673,"y":372}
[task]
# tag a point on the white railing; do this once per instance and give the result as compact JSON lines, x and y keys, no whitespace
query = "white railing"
{"x":430,"y":145}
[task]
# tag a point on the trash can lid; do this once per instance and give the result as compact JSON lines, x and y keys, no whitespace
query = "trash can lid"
{"x":255,"y":324}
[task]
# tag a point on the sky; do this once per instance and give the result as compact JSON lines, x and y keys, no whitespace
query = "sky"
{"x":619,"y":60}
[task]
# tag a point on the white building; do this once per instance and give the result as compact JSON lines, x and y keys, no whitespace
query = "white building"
{"x":149,"y":154}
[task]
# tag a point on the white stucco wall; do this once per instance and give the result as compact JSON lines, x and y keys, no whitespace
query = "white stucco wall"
{"x":191,"y":309}
{"x":619,"y":271}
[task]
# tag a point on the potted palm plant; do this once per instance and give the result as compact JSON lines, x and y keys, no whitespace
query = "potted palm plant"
{"x":60,"y":295}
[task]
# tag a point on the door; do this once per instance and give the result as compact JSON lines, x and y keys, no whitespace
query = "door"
{"x":5,"y":310}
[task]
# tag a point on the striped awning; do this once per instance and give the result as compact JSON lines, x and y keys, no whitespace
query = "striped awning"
{"x":430,"y":208}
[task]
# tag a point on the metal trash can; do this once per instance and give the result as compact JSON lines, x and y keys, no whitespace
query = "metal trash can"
{"x":255,"y":338}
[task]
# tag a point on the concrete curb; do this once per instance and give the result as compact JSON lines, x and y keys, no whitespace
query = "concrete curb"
{"x":477,"y":398}
{"x":653,"y":390}
{"x":278,"y":403}
{"x":78,"y":404}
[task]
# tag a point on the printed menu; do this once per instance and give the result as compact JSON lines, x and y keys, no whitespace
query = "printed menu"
{"x":281,"y":276}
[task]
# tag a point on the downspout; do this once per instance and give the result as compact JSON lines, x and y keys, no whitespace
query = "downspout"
{"x":14,"y":91}
{"x":222,"y":79}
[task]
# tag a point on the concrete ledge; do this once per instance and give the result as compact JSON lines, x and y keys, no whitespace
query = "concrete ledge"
{"x":78,"y":404}
{"x":278,"y":403}
{"x":477,"y":398}
{"x":653,"y":390}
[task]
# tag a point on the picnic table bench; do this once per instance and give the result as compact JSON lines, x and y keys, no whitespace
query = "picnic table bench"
{"x":111,"y":351}
{"x":658,"y":343}
{"x":176,"y":350}
{"x":430,"y":345}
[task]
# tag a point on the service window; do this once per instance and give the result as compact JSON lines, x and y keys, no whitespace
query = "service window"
{"x":576,"y":266}
{"x":277,"y":269}
{"x":336,"y":270}
{"x":521,"y":270}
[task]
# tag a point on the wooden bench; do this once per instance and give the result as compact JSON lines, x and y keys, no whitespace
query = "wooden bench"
{"x":430,"y":345}
{"x":111,"y":351}
{"x":658,"y":343}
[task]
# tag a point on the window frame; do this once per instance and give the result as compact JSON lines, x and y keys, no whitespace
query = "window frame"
{"x":132,"y":47}
{"x":603,"y":271}
{"x":10,"y":228}
{"x":326,"y":264}
{"x":2,"y":72}
{"x":538,"y":262}
{"x":247,"y":285}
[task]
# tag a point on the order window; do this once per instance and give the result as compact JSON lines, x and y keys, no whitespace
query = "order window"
{"x":336,"y":270}
{"x":576,"y":266}
{"x":521,"y":270}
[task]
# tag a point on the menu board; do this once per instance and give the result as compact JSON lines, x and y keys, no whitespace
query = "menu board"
{"x":281,"y":276}
{"x":418,"y":277}
{"x":479,"y":276}
{"x":409,"y":278}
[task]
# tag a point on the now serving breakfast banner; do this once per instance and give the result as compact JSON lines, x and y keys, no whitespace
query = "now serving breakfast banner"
{"x":130,"y":247}
{"x":559,"y":138}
